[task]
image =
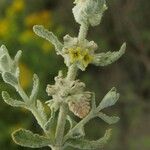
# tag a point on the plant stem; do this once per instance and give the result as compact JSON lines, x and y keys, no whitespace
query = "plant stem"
{"x":33,"y":109}
{"x":72,"y":72}
{"x":83,"y":31}
{"x":60,"y":125}
{"x":71,"y":75}
{"x":22,"y":93}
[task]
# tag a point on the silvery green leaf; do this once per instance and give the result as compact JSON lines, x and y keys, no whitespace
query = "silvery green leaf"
{"x":26,"y":138}
{"x":108,"y":119}
{"x":18,"y":56}
{"x":41,"y":110}
{"x":104,"y":59}
{"x":44,"y":33}
{"x":89,"y":145}
{"x":5,"y":60}
{"x":4,"y":65}
{"x":12,"y":102}
{"x":35,"y":89}
{"x":89,"y":11}
{"x":15,"y":65}
{"x":110,"y":99}
{"x":10,"y":78}
{"x":51,"y":124}
{"x":3,"y":50}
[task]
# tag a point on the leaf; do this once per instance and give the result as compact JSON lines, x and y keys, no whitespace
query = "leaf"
{"x":41,"y":110}
{"x":110,"y":99}
{"x":108,"y":119}
{"x":44,"y":33}
{"x":89,"y":145}
{"x":12,"y":102}
{"x":10,"y":78}
{"x":51,"y":124}
{"x":3,"y":50}
{"x":28,"y":139}
{"x":18,"y":56}
{"x":104,"y":59}
{"x":4,"y":64}
{"x":14,"y":66}
{"x":35,"y":89}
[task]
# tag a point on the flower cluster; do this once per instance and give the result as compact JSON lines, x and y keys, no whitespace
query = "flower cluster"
{"x":78,"y":52}
{"x":70,"y":92}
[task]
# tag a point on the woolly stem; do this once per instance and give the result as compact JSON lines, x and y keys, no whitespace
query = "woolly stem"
{"x":72,"y":72}
{"x":60,"y":126}
{"x":71,"y":75}
{"x":83,"y":31}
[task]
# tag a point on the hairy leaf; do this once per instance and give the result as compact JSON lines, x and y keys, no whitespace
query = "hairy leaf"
{"x":44,"y":33}
{"x":12,"y":102}
{"x":104,"y":59}
{"x":41,"y":110}
{"x":110,"y":99}
{"x":28,"y":139}
{"x":10,"y":78}
{"x":108,"y":119}
{"x":35,"y":89}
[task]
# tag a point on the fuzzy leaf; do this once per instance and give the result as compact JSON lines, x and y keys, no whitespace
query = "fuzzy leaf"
{"x":110,"y":99}
{"x":12,"y":102}
{"x":104,"y":59}
{"x":35,"y":89}
{"x":89,"y":145}
{"x":10,"y":78}
{"x":51,"y":124}
{"x":26,"y":138}
{"x":108,"y":119}
{"x":18,"y":56}
{"x":15,"y":68}
{"x":4,"y":63}
{"x":41,"y":110}
{"x":44,"y":33}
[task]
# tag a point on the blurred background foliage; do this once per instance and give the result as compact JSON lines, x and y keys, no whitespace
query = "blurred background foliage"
{"x":125,"y":20}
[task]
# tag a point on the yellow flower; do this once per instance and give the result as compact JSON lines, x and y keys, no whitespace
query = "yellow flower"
{"x":86,"y":58}
{"x":25,"y":76}
{"x":75,"y":54}
{"x":43,"y":17}
{"x":4,"y":26}
{"x":16,"y":7}
{"x":80,"y":56}
{"x":26,"y":36}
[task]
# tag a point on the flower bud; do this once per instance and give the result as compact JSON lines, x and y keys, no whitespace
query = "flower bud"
{"x":89,"y":11}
